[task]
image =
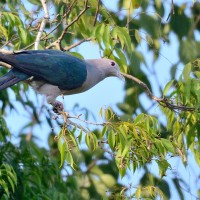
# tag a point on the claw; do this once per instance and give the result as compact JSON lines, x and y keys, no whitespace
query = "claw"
{"x":58,"y":107}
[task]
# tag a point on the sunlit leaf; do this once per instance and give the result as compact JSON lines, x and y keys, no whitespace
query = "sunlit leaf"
{"x":168,"y":145}
{"x":111,"y":139}
{"x":167,"y":87}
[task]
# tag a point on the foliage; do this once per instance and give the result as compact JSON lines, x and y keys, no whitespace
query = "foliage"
{"x":83,"y":163}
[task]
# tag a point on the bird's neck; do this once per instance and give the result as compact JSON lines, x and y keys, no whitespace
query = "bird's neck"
{"x":95,"y":73}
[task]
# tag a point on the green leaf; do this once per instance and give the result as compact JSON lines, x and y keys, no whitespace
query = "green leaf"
{"x":122,"y":140}
{"x":91,"y":141}
{"x":69,"y":158}
{"x":80,"y":136}
{"x":99,"y":33}
{"x":23,"y":34}
{"x":168,"y":145}
{"x":190,"y":135}
{"x":149,"y":40}
{"x":73,"y":140}
{"x":103,"y":132}
{"x":87,"y":140}
{"x":186,"y":72}
{"x":111,"y":139}
{"x":106,"y":36}
{"x":137,"y":36}
{"x":62,"y":154}
{"x":188,"y":50}
{"x":138,"y":193}
{"x":139,"y":119}
{"x":11,"y":183}
{"x":61,"y":148}
{"x":4,"y":186}
{"x":163,"y":165}
{"x":4,"y":32}
{"x":108,"y":180}
{"x":94,"y":141}
{"x":122,"y":172}
{"x":122,"y":34}
{"x":180,"y":23}
{"x":167,"y":87}
{"x":121,"y":56}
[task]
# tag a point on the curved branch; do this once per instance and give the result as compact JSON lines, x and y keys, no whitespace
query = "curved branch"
{"x":77,"y":44}
{"x":43,"y":24}
{"x":2,"y":63}
{"x":165,"y":102}
{"x":57,"y":42}
{"x":5,"y":65}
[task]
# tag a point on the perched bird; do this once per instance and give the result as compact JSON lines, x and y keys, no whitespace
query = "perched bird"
{"x":54,"y":73}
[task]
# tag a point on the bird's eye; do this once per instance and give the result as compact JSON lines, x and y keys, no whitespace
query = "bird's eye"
{"x":112,"y":63}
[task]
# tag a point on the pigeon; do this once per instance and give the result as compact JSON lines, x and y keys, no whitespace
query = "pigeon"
{"x":53,"y":73}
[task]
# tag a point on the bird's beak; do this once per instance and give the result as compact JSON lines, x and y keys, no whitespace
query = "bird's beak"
{"x":120,"y":76}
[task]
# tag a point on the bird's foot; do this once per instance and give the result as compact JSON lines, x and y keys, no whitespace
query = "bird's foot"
{"x":58,"y":107}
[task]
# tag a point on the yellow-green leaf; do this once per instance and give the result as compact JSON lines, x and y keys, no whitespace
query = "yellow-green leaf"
{"x":167,"y":87}
{"x":111,"y":139}
{"x":137,"y":36}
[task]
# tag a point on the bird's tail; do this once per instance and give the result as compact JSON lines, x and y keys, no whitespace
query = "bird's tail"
{"x":12,"y":77}
{"x":8,"y":80}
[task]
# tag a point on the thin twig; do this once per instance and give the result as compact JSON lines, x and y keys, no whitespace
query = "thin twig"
{"x":129,"y":15}
{"x":63,"y":17}
{"x":5,"y":65}
{"x":77,"y":44}
{"x":57,"y":43}
{"x":171,"y":11}
{"x":142,"y":84}
{"x":43,"y":24}
{"x":96,"y":13}
{"x":191,"y":32}
{"x":66,"y":117}
{"x":2,"y":63}
{"x":165,"y":102}
{"x":88,"y":122}
{"x":5,"y":51}
{"x":69,"y":8}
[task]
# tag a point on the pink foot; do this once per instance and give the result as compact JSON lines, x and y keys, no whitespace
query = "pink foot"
{"x":58,"y":107}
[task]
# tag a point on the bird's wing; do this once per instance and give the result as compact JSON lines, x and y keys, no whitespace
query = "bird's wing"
{"x":55,"y":67}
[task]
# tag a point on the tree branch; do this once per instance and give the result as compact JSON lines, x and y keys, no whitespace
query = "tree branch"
{"x":142,"y":84}
{"x":2,"y":63}
{"x":5,"y":65}
{"x":63,"y":17}
{"x":77,"y":44}
{"x":165,"y":102}
{"x":96,"y":13}
{"x":43,"y":24}
{"x":57,"y":43}
{"x":171,"y":11}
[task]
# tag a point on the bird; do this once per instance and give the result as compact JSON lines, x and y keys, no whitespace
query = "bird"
{"x":53,"y":73}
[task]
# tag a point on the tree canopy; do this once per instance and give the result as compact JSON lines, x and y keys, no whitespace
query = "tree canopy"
{"x":83,"y":162}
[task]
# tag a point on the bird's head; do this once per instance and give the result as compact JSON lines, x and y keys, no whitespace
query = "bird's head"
{"x":112,"y":68}
{"x":107,"y":67}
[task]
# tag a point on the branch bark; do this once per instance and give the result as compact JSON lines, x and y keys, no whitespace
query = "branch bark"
{"x":77,"y":44}
{"x":57,"y":43}
{"x":43,"y":24}
{"x":165,"y":102}
{"x":2,"y":63}
{"x":96,"y":13}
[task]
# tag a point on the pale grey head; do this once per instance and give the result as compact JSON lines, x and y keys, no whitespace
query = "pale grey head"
{"x":105,"y":68}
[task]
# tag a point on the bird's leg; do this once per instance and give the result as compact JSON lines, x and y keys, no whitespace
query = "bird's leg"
{"x":57,"y":105}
